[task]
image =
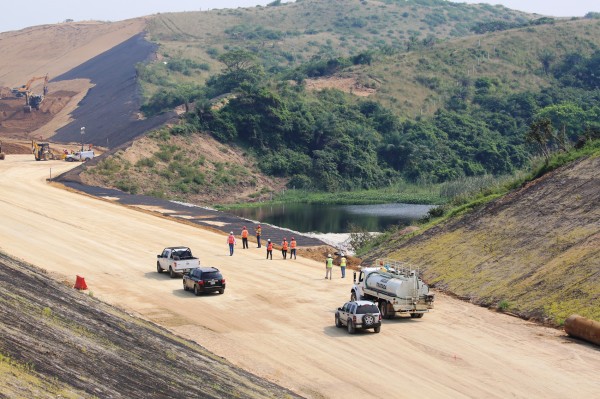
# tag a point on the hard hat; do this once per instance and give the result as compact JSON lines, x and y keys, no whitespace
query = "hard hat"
{"x":329,"y":255}
{"x":269,"y":240}
{"x":259,"y":225}
{"x":231,"y":232}
{"x":284,"y":238}
{"x":293,"y":238}
{"x":244,"y":227}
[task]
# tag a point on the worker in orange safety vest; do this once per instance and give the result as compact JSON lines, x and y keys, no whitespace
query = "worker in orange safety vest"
{"x":244,"y":238}
{"x":269,"y":249}
{"x":284,"y":248}
{"x":293,"y":248}
{"x":231,"y":242}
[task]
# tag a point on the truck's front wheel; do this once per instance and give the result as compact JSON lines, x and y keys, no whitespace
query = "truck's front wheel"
{"x":416,"y":315}
{"x":196,"y":290}
{"x":158,"y":268}
{"x":353,"y":296}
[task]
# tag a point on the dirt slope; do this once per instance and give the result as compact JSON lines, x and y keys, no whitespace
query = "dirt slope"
{"x":276,"y":317}
{"x":63,"y":51}
{"x":536,"y":250}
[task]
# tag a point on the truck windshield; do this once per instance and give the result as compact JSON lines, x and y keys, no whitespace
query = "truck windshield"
{"x":364,"y":309}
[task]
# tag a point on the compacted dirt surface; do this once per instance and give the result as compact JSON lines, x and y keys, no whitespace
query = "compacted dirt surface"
{"x":276,"y":318}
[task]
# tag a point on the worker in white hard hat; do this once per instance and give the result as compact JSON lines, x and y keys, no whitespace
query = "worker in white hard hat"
{"x":231,"y":242}
{"x":269,"y":249}
{"x":343,"y":265}
{"x":328,"y":266}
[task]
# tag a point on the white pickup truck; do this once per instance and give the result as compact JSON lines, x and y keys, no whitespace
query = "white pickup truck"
{"x":80,"y":156}
{"x":176,"y":260}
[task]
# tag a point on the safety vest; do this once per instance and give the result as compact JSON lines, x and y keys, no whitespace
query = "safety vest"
{"x":293,"y":244}
{"x":329,"y":263}
{"x":244,"y":233}
{"x":343,"y":262}
{"x":231,"y":239}
{"x":270,"y":246}
{"x":258,"y":230}
{"x":284,"y":245}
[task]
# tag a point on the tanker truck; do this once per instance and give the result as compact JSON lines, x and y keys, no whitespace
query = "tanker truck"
{"x":394,"y":287}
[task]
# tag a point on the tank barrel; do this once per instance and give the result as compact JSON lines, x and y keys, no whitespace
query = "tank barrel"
{"x":580,"y":327}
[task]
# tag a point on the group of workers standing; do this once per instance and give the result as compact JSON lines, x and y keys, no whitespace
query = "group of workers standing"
{"x":285,"y":246}
{"x":329,"y":266}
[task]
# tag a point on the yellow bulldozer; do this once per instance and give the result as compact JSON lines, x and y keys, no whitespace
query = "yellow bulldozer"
{"x":41,"y":151}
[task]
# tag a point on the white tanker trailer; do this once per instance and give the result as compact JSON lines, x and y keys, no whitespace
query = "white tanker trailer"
{"x":394,"y":287}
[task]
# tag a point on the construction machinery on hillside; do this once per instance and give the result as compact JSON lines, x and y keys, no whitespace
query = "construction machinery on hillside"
{"x":2,"y":155}
{"x":32,"y":101}
{"x":41,"y":151}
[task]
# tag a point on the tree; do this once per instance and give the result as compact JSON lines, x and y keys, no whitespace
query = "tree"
{"x":546,"y":57}
{"x":541,"y":133}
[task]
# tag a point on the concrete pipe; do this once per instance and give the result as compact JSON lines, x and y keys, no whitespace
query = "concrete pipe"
{"x":586,"y":329}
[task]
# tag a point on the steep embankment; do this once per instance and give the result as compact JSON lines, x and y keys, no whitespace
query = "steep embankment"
{"x":57,"y":342}
{"x":534,"y":252}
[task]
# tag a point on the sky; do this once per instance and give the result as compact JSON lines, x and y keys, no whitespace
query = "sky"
{"x":15,"y":14}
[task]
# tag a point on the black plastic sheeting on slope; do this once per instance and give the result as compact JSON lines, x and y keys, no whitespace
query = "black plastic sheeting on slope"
{"x":109,"y":110}
{"x":202,"y":216}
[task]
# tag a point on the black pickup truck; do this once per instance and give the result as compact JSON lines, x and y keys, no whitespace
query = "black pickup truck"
{"x":204,"y":279}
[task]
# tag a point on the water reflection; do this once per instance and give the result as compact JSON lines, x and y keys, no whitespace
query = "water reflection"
{"x":307,"y":218}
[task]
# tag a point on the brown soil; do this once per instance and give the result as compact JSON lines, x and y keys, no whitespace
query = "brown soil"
{"x":52,"y":50}
{"x":276,"y":318}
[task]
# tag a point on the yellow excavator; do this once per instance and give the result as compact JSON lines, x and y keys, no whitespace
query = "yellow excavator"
{"x":31,"y":100}
{"x":41,"y":151}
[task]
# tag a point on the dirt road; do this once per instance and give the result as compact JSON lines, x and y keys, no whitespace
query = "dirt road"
{"x":276,"y":317}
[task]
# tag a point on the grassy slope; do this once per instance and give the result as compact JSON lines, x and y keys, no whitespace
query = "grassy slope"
{"x":334,"y":27}
{"x":511,"y":56}
{"x":535,"y":251}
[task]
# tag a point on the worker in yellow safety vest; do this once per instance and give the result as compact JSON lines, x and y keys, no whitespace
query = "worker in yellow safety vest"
{"x":258,"y":234}
{"x":343,"y":265}
{"x":328,"y":266}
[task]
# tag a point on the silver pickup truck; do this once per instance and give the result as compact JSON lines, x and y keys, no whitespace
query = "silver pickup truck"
{"x":176,"y":260}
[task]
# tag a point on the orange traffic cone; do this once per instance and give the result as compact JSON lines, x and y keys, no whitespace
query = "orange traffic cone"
{"x":80,"y":283}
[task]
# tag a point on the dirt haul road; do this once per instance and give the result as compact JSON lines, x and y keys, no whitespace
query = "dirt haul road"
{"x":276,"y":317}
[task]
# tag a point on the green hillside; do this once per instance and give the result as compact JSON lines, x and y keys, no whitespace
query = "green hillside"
{"x":445,"y":103}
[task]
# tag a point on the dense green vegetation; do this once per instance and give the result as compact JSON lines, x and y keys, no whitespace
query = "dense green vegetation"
{"x":249,"y":88}
{"x":330,"y":141}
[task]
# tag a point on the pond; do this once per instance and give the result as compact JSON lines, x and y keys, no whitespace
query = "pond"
{"x":309,"y":218}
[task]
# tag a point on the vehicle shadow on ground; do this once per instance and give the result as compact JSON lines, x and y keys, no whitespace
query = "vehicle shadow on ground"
{"x":190,"y":294}
{"x":154,"y":275}
{"x":333,"y":331}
